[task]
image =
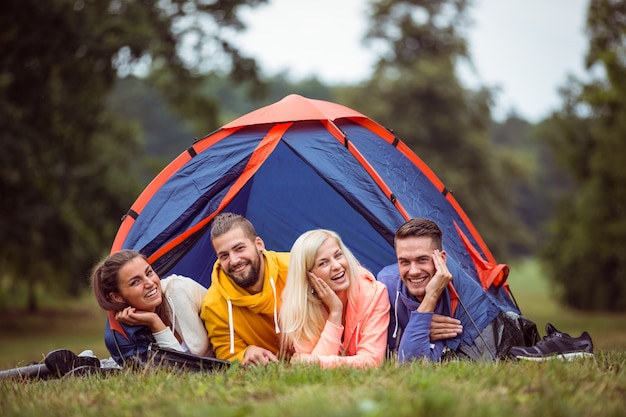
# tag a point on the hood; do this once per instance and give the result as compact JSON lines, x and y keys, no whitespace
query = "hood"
{"x":411,"y":303}
{"x":363,"y":295}
{"x":263,"y":302}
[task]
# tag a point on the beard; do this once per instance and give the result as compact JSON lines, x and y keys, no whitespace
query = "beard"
{"x":247,"y":280}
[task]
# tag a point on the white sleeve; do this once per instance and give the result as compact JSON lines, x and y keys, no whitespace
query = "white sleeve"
{"x":166,"y":339}
{"x":185,"y":297}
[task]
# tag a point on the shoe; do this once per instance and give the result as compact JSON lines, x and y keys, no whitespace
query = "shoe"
{"x":91,"y":370}
{"x":555,"y":345}
{"x":61,"y":361}
{"x":550,"y":330}
{"x":87,"y":352}
{"x":109,"y":364}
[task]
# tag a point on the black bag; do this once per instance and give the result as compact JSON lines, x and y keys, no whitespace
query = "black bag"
{"x":505,"y":331}
{"x":160,"y":357}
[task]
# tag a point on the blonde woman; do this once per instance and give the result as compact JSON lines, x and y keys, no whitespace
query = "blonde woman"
{"x":333,"y":311}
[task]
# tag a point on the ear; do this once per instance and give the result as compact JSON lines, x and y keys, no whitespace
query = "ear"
{"x":444,"y":256}
{"x":116,"y":297}
{"x":260,"y":245}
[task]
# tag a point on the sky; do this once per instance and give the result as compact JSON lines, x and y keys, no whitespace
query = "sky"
{"x":524,"y":48}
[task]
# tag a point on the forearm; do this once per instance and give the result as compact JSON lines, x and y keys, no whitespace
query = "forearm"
{"x":329,"y":342}
{"x":360,"y":360}
{"x":370,"y":353}
{"x":429,"y":302}
{"x":223,"y":346}
{"x":415,"y":342}
{"x":166,"y":339}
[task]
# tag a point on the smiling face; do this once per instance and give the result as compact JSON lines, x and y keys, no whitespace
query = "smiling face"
{"x":240,"y":258}
{"x":138,"y":285}
{"x":415,"y":263}
{"x":332,"y":266}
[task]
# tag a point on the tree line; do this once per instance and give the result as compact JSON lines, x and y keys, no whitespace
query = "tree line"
{"x":83,"y":135}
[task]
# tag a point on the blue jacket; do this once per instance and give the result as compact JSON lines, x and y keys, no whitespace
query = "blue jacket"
{"x":409,"y":331}
{"x":126,"y":342}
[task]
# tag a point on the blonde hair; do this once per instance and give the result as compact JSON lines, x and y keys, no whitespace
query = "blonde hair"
{"x":303,"y":315}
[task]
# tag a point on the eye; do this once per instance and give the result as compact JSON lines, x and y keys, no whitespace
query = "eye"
{"x":322,"y":263}
{"x":339,"y":255}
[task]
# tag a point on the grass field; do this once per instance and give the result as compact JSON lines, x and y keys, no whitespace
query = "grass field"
{"x":594,"y":387}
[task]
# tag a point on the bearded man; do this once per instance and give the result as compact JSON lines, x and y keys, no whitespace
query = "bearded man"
{"x":240,"y":308}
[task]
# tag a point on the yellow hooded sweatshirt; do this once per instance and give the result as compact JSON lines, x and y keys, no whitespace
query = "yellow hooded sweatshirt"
{"x":236,"y":319}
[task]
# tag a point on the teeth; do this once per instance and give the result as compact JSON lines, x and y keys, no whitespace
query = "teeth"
{"x":239,"y":267}
{"x":338,"y":277}
{"x":417,"y":280}
{"x":151,"y":293}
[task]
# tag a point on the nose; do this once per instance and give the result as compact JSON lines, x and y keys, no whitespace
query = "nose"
{"x":233,"y":258}
{"x":414,"y":268}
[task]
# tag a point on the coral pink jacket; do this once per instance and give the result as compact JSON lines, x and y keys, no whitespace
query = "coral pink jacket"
{"x":362,"y":341}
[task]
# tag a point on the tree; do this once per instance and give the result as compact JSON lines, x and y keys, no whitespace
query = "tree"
{"x":418,"y":94}
{"x":539,"y":183}
{"x":586,"y":252}
{"x":68,"y":167}
{"x":165,"y":133}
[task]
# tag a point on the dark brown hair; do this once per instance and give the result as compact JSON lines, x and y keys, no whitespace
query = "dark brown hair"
{"x":224,"y":222}
{"x":105,"y":280}
{"x":418,"y":227}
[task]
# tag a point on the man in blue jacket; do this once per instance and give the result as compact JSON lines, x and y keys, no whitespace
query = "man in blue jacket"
{"x":424,"y":321}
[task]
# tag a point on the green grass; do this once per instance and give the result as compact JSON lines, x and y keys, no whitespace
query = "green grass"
{"x":584,"y":388}
{"x":594,"y":387}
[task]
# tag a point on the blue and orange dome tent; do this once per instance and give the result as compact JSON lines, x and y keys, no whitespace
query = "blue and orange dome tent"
{"x":296,"y":165}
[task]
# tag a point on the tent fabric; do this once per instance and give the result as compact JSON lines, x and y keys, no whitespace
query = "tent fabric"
{"x":296,"y":165}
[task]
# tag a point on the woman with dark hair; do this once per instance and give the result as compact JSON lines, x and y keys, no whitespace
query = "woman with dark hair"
{"x":144,"y":309}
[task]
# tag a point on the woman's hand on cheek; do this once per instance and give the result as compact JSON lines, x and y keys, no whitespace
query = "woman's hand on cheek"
{"x":133,"y":317}
{"x":328,"y":297}
{"x":124,"y":316}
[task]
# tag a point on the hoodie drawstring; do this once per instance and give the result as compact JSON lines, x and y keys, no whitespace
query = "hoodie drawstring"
{"x":231,"y":327}
{"x":395,"y":331}
{"x":275,"y":306}
{"x":170,"y":305}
